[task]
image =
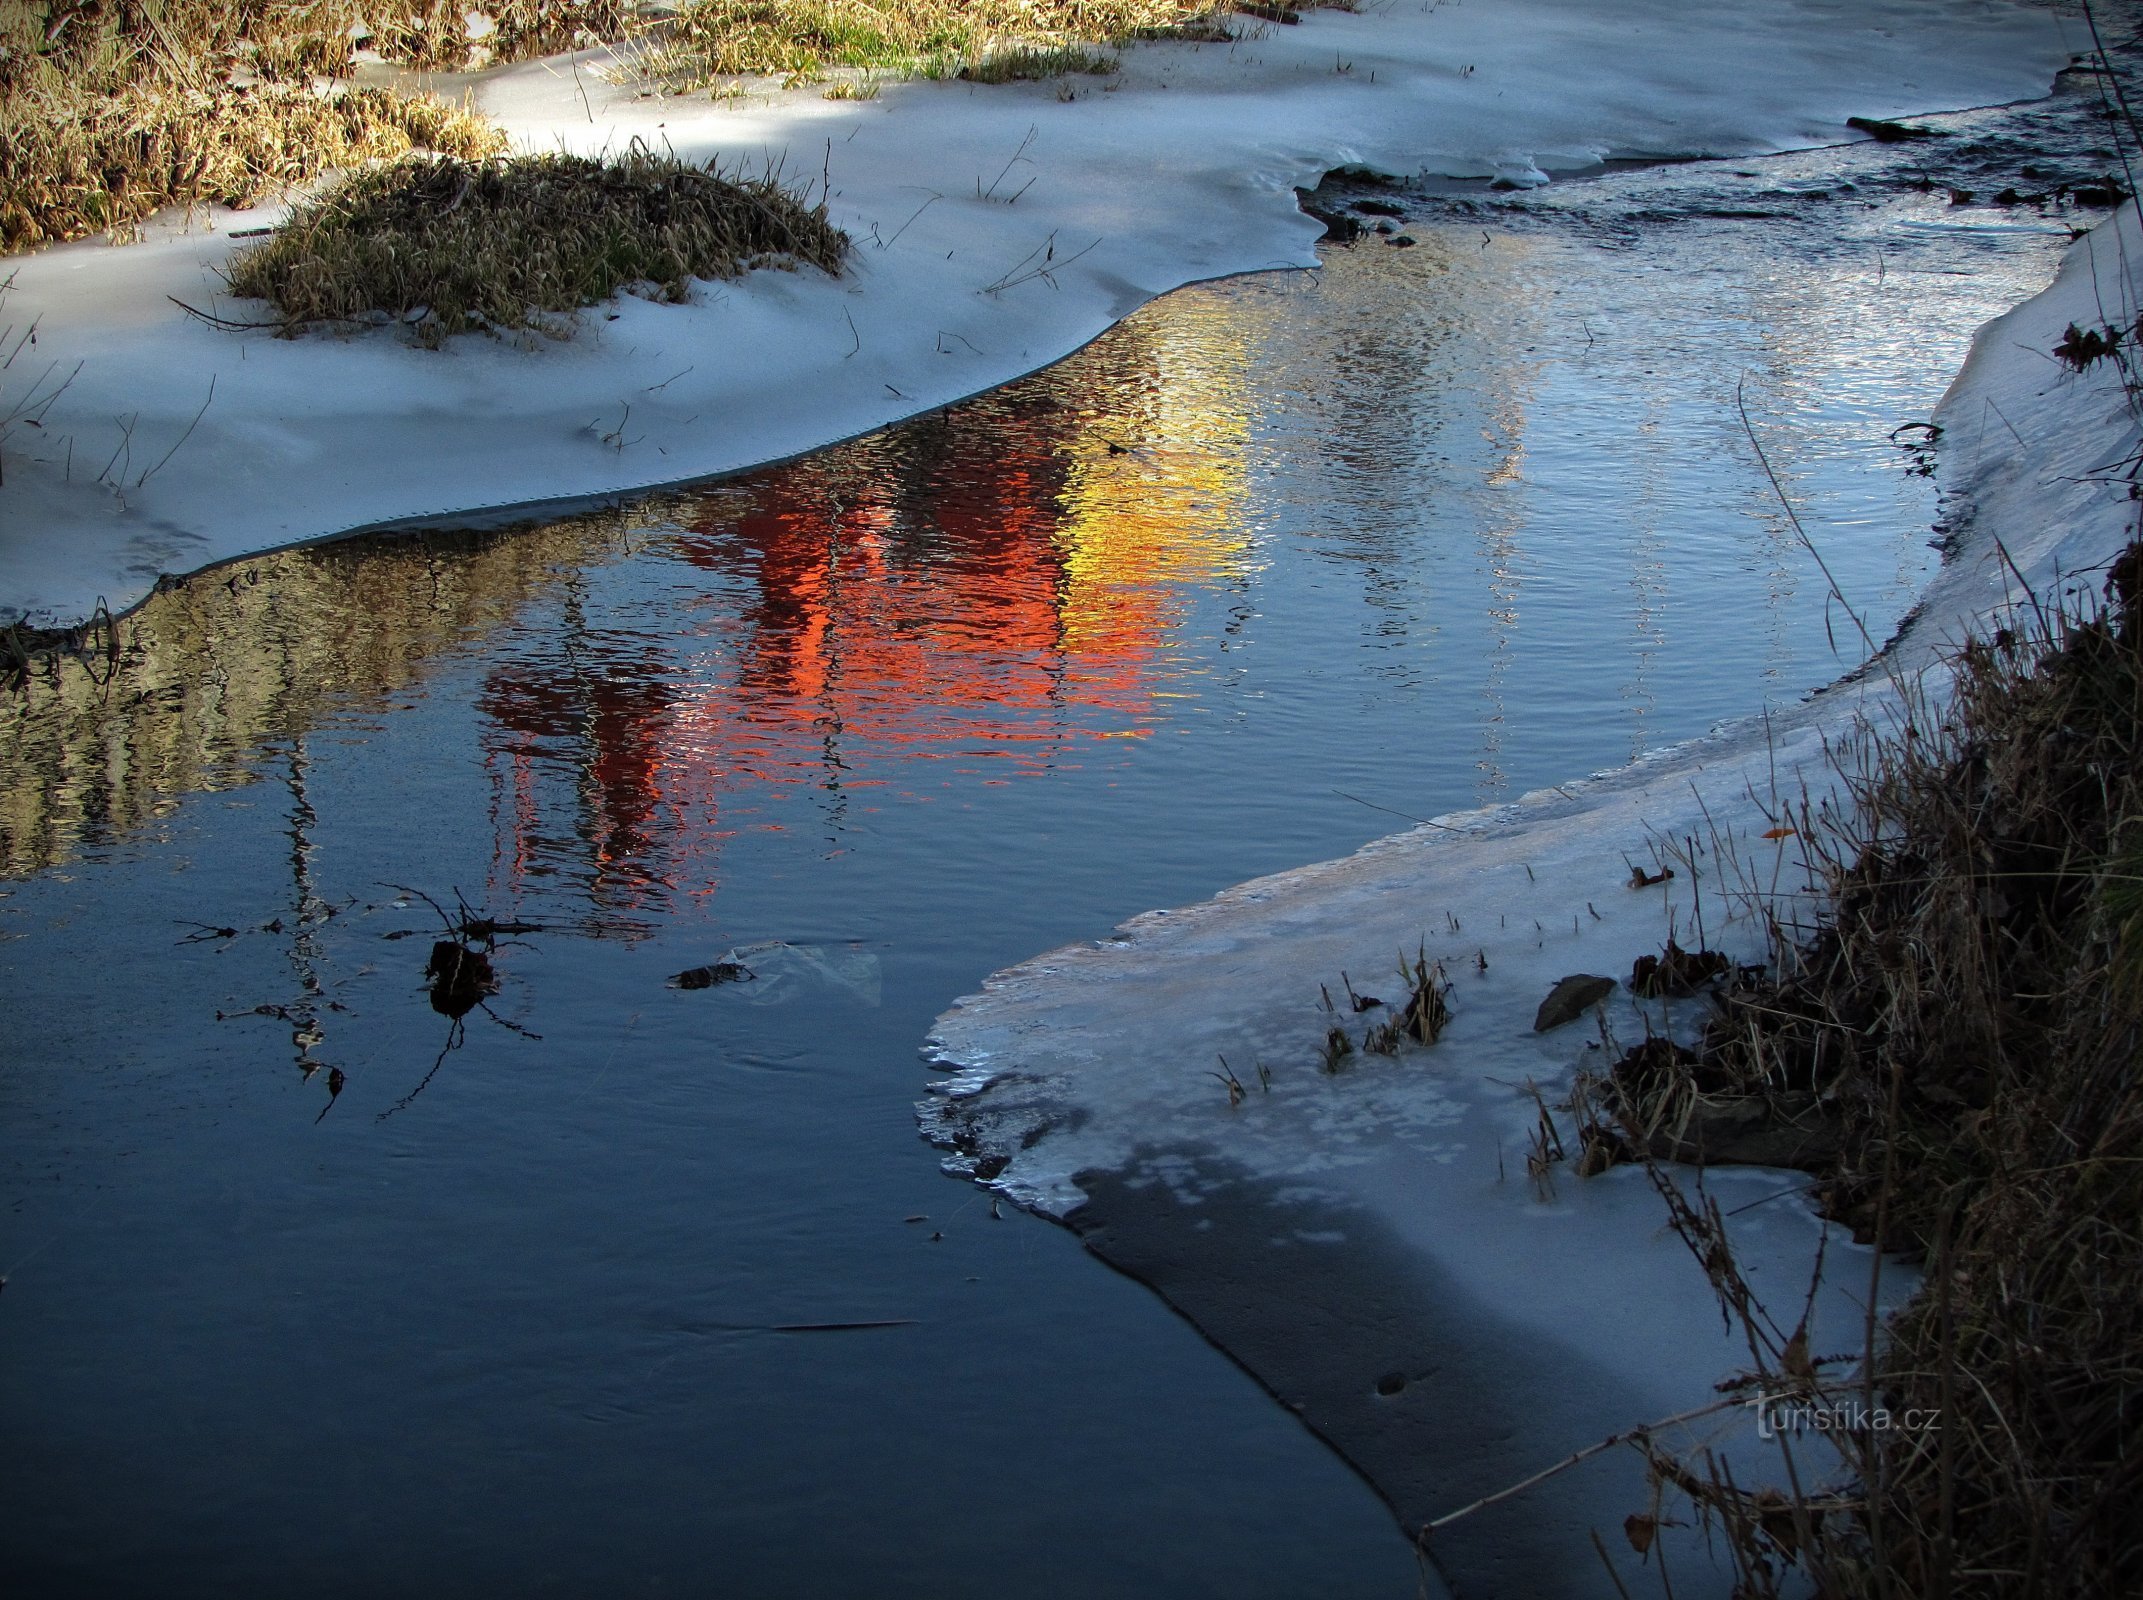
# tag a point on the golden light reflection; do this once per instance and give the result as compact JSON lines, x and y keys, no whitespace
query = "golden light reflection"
{"x":1140,"y":520}
{"x":1507,"y":397}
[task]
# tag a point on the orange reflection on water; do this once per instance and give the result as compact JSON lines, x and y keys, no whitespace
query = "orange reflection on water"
{"x":991,"y":586}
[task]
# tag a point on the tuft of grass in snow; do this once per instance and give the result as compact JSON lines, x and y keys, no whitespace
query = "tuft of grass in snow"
{"x":1027,"y":63}
{"x":445,"y":244}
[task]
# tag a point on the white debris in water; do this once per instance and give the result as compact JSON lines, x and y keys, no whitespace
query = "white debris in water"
{"x":1100,"y":1058}
{"x":997,"y":228}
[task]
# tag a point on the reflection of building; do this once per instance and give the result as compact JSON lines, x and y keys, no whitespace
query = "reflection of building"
{"x":603,"y":716}
{"x":994,"y":583}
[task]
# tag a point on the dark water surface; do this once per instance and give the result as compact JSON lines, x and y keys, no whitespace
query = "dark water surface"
{"x":516,"y":1310}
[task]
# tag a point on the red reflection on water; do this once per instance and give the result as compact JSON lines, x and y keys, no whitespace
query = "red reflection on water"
{"x":903,"y":599}
{"x":605,"y":715}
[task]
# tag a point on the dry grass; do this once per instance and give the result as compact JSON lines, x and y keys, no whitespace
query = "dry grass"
{"x":111,"y":110}
{"x":109,"y":113}
{"x":438,"y":34}
{"x":1979,"y":978}
{"x":445,"y":244}
{"x":983,"y":40}
{"x":1970,"y":1018}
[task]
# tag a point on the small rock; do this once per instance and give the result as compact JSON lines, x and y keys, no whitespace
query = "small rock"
{"x":1338,"y":226}
{"x":1570,"y":999}
{"x":708,"y":977}
{"x":459,"y":979}
{"x":1889,"y":132}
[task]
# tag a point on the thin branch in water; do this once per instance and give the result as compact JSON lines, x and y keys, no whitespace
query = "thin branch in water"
{"x":188,"y":434}
{"x":455,"y":1033}
{"x":1408,"y":815}
{"x":419,"y":894}
{"x":1018,"y":156}
{"x":1741,"y":405}
{"x":1642,"y":1431}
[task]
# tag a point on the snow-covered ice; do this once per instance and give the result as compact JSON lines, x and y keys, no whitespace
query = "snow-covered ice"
{"x":1180,"y":168}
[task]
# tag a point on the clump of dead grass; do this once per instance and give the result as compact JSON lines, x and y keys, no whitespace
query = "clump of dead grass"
{"x":444,"y":244}
{"x":1980,"y":932}
{"x":110,"y":113}
{"x":1982,"y":958}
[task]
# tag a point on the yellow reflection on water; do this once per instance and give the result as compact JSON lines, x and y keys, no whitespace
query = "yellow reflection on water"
{"x":1158,"y":498}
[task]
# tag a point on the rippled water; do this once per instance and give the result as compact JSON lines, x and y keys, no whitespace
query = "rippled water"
{"x":313,"y":1281}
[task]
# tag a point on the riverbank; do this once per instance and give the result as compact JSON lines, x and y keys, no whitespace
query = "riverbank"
{"x":1392,"y":1247}
{"x":998,"y":228}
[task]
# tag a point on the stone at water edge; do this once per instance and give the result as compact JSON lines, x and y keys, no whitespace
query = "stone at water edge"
{"x":1570,"y":999}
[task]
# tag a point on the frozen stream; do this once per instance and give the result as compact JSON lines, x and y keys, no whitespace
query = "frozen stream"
{"x":512,"y":1314}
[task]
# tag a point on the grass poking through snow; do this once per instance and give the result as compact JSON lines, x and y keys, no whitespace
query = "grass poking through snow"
{"x":446,"y":244}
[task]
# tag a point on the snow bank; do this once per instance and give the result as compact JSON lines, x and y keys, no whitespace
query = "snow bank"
{"x":1338,"y":1228}
{"x":959,"y":198}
